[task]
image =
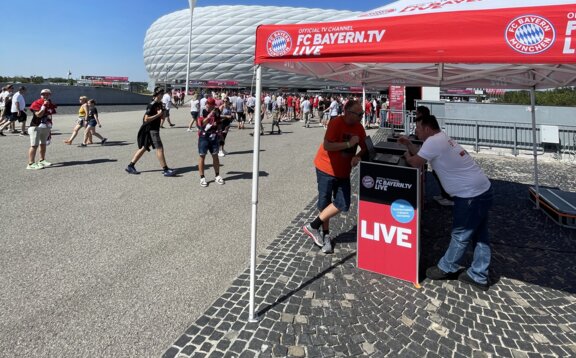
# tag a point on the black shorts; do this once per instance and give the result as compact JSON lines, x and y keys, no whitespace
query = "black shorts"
{"x":240,"y":116}
{"x":156,"y":141}
{"x":166,"y":113}
{"x":250,"y":109}
{"x":20,"y":118}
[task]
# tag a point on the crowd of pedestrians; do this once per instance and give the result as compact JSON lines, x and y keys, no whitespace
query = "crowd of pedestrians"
{"x":213,"y":114}
{"x":463,"y":183}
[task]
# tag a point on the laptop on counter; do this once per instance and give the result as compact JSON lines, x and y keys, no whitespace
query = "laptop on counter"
{"x":384,"y":158}
{"x":390,"y":147}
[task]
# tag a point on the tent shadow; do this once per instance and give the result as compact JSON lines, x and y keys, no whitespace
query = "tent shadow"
{"x":244,"y":152}
{"x":527,"y":245}
{"x":305,"y":284}
{"x":243,"y":175}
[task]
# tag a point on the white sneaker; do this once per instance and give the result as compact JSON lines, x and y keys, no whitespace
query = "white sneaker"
{"x":34,"y":166}
{"x":189,"y":130}
{"x":225,"y":152}
{"x":221,"y":154}
{"x":219,"y":180}
{"x":203,"y":182}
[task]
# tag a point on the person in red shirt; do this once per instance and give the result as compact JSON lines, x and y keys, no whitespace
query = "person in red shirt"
{"x":39,"y":130}
{"x":368,"y":111}
{"x":334,"y":161}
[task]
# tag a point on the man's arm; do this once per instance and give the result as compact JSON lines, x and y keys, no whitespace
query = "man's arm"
{"x":412,"y":148}
{"x":415,"y":160}
{"x":337,"y":146}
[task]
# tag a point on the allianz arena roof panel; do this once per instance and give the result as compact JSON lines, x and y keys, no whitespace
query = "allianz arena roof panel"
{"x":223,"y":43}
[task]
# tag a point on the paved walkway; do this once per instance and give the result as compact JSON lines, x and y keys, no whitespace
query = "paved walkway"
{"x":316,"y":305}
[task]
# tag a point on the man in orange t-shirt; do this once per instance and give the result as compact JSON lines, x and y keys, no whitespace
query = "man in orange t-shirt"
{"x":334,"y":161}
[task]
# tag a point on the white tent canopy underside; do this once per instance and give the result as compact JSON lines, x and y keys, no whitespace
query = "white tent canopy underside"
{"x":508,"y":76}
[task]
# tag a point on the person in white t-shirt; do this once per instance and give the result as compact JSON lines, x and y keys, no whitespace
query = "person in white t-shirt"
{"x":167,"y":103}
{"x":250,"y":107}
{"x":472,"y":194}
{"x":194,"y":112}
{"x":306,"y":111}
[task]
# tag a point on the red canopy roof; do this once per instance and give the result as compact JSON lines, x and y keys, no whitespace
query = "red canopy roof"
{"x":449,"y":43}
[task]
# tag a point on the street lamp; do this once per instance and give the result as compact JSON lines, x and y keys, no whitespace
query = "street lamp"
{"x":192,"y":4}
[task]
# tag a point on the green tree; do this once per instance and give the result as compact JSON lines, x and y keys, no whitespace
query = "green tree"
{"x":564,"y":96}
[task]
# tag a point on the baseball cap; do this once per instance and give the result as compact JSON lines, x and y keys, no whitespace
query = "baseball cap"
{"x":211,"y":101}
{"x":45,"y":90}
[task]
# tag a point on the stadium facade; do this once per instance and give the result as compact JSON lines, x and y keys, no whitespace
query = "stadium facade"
{"x":223,"y":44}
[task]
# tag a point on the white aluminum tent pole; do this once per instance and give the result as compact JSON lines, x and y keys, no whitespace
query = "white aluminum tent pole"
{"x":534,"y":144}
{"x":363,"y":105}
{"x":192,"y":4}
{"x":252,"y":317}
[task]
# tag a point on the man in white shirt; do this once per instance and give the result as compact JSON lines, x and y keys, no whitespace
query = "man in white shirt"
{"x":18,"y":109}
{"x":472,"y":194}
{"x":267,"y":100}
{"x":167,"y":103}
{"x":194,"y":111}
{"x":203,"y":103}
{"x":306,"y":110}
{"x":250,"y":107}
{"x":5,"y":106}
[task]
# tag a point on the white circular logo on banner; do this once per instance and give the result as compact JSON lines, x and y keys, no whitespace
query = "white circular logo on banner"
{"x":530,"y":34}
{"x":279,"y":43}
{"x":368,"y":182}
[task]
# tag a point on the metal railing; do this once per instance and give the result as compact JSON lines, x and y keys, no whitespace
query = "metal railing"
{"x":512,"y":135}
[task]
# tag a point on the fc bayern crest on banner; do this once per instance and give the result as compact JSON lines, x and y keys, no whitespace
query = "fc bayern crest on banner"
{"x":368,"y":182}
{"x":279,"y":43}
{"x":530,"y":34}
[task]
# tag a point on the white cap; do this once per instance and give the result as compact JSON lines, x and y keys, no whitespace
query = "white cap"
{"x":45,"y":90}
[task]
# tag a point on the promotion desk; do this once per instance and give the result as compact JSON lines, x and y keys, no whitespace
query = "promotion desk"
{"x":389,"y":206}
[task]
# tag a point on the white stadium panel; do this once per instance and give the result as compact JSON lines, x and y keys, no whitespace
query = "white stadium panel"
{"x":223,"y":43}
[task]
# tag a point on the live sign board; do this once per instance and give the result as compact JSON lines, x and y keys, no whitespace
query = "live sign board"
{"x":388,"y":220}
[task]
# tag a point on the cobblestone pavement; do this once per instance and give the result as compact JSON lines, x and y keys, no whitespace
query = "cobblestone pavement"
{"x":316,"y":305}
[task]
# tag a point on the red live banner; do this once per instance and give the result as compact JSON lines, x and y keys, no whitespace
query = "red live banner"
{"x":388,"y":220}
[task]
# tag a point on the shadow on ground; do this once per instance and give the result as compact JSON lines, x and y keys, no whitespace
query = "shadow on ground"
{"x":526,"y":244}
{"x":243,"y":175}
{"x":83,"y":162}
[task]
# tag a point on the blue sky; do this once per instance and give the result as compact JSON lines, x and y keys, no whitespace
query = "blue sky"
{"x":101,"y":37}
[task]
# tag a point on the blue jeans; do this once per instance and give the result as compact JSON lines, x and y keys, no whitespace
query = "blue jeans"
{"x":470,"y":226}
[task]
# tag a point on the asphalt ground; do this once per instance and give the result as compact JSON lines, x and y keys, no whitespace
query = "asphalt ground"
{"x":95,"y":262}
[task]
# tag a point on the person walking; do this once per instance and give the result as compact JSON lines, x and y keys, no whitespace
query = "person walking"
{"x":240,"y":113}
{"x":93,"y":121}
{"x":149,"y":135}
{"x":306,"y":111}
{"x":226,"y":115}
{"x":5,"y":107}
{"x":81,"y":121}
{"x":168,"y":104}
{"x":472,"y":194}
{"x":334,"y":160}
{"x":194,"y":112}
{"x":208,"y":140}
{"x":17,"y":108}
{"x":276,"y":115}
{"x":39,"y":130}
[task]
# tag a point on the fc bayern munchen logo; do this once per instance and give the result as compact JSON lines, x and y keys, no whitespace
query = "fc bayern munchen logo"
{"x":279,"y":43}
{"x":368,"y":182}
{"x":530,"y":34}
